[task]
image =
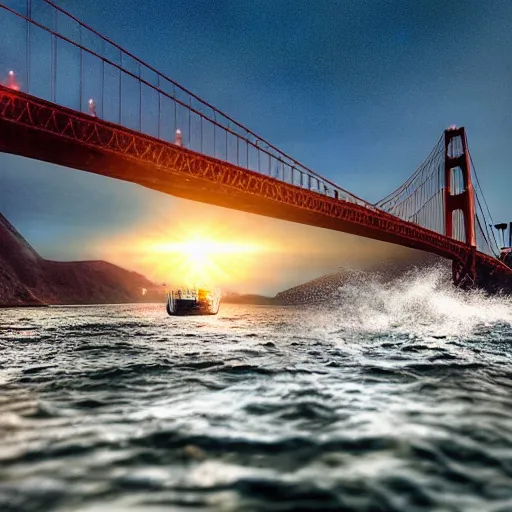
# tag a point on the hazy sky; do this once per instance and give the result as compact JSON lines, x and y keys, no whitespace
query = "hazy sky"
{"x":358,"y":90}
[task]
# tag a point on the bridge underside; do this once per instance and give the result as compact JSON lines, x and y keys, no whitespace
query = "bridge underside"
{"x":44,"y":146}
{"x":37,"y":129}
{"x":40,"y":130}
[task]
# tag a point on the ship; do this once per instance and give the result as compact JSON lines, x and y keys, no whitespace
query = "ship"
{"x":193,"y":301}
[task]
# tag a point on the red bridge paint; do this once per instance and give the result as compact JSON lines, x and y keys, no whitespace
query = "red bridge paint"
{"x":38,"y":129}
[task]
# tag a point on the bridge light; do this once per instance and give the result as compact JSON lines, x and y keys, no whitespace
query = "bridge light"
{"x":452,"y":127}
{"x":11,"y":82}
{"x":92,"y":108}
{"x":178,"y":138}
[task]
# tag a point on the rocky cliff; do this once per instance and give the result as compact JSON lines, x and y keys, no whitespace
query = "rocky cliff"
{"x":28,"y":279}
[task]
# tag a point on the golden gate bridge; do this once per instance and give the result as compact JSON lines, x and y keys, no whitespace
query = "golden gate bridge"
{"x":78,"y":99}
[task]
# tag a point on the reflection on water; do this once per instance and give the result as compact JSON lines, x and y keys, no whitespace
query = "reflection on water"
{"x":388,"y":397}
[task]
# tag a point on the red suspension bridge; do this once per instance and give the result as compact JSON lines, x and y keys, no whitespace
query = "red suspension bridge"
{"x":78,"y":99}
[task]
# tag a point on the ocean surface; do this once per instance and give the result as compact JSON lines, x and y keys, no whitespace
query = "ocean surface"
{"x":388,"y":397}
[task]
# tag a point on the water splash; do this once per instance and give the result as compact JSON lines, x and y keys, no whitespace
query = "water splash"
{"x":421,"y":302}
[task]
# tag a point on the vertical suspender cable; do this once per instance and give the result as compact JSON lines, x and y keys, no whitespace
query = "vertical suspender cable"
{"x":80,"y":85}
{"x":29,"y":17}
{"x":140,"y":98}
{"x":120,"y":88}
{"x":159,"y":106}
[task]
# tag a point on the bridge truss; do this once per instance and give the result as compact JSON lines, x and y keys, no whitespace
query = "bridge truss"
{"x":84,"y":69}
{"x":83,"y":92}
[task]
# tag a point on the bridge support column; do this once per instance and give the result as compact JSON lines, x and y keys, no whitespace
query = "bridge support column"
{"x":456,"y":156}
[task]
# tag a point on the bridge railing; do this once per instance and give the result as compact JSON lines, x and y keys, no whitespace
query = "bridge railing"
{"x":58,"y":58}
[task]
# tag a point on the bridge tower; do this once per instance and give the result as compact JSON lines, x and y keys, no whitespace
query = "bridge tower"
{"x":456,"y":156}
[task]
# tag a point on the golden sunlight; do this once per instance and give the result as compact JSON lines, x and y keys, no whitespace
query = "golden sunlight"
{"x":186,"y":244}
{"x":201,"y":246}
{"x":203,"y":261}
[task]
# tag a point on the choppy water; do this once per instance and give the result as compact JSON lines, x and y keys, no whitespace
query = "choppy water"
{"x":391,"y":397}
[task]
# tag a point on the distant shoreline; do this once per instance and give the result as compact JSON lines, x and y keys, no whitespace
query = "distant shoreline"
{"x":69,"y":305}
{"x":248,"y":299}
{"x":12,"y":306}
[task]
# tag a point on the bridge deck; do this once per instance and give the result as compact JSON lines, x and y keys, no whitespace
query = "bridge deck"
{"x":35,"y":128}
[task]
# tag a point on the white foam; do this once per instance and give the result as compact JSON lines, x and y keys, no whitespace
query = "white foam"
{"x":420,"y":302}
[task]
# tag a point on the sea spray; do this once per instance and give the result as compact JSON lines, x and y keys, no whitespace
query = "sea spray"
{"x":420,"y":302}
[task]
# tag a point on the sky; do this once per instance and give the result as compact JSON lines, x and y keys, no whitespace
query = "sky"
{"x":358,"y":90}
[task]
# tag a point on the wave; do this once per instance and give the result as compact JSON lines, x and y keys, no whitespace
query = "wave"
{"x":421,"y":302}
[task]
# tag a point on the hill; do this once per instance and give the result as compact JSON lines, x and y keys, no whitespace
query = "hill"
{"x":316,"y":290}
{"x":324,"y":287}
{"x":237,"y":298}
{"x":28,"y":279}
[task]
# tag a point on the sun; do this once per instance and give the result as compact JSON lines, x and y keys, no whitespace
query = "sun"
{"x":199,"y":246}
{"x":201,"y":260}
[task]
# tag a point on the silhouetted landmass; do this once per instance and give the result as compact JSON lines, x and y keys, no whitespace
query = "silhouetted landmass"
{"x":237,"y":298}
{"x":324,"y":287}
{"x":316,"y":290}
{"x":26,"y":279}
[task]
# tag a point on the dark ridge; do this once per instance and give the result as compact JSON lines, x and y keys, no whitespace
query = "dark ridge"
{"x":26,"y":279}
{"x":323,"y":288}
{"x":237,"y":298}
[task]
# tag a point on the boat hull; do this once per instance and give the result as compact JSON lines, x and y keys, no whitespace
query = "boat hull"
{"x":190,"y":307}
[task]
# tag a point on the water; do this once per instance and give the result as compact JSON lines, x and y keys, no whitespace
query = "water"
{"x":392,"y":397}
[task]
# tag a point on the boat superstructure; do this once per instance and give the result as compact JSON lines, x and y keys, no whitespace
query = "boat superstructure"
{"x":193,"y":301}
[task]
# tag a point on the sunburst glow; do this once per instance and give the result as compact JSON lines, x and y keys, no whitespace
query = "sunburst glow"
{"x":203,"y":260}
{"x":188,"y":244}
{"x":197,"y":247}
